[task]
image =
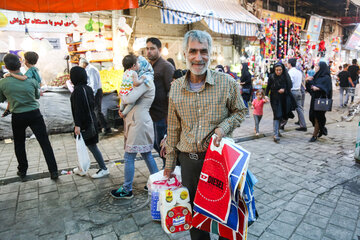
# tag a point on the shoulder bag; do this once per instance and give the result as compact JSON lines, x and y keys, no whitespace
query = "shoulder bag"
{"x":90,"y":132}
{"x":323,"y":104}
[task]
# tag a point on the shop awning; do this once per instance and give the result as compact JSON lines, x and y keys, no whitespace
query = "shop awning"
{"x":67,"y":6}
{"x":222,"y":16}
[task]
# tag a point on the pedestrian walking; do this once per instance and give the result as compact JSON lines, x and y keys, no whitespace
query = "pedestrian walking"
{"x":22,"y":97}
{"x":281,"y":100}
{"x":258,"y":106}
{"x":82,"y":108}
{"x":345,"y":82}
{"x":354,"y":71}
{"x":201,"y":103}
{"x":246,"y":84}
{"x":138,"y":130}
{"x":319,"y":86}
{"x":94,"y":82}
{"x":296,"y":78}
{"x":163,"y":76}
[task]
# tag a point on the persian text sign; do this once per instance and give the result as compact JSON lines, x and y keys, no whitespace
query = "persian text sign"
{"x":35,"y":22}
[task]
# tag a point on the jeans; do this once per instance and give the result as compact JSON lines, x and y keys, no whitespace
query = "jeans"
{"x":160,"y":129}
{"x":276,"y":126}
{"x":257,"y":119}
{"x":344,"y":90}
{"x":130,"y":167}
{"x":97,"y":155}
{"x":97,"y":109}
{"x":34,"y":120}
{"x":299,"y":109}
{"x":353,"y":97}
{"x":190,"y":174}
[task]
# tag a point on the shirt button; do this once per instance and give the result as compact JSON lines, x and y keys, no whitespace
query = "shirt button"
{"x":199,"y":110}
{"x":200,"y":126}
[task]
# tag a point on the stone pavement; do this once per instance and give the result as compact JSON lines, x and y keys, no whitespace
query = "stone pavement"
{"x":305,"y":191}
{"x":112,"y":146}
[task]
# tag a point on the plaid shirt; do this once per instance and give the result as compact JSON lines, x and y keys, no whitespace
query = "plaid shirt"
{"x":194,"y":116}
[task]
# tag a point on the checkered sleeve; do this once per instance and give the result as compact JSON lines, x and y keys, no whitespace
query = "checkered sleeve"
{"x":237,"y":110}
{"x":173,"y":133}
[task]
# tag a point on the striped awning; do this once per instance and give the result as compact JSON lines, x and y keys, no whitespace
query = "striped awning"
{"x":221,"y":16}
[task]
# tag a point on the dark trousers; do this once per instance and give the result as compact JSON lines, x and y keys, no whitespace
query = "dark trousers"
{"x":97,"y":109}
{"x":190,"y":174}
{"x":34,"y":120}
{"x":160,"y":129}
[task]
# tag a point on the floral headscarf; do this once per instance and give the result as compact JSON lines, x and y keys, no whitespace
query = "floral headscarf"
{"x":145,"y":69}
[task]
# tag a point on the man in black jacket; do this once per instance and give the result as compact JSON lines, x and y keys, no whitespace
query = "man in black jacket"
{"x":163,"y":75}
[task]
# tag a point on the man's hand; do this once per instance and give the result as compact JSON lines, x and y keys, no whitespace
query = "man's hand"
{"x":7,"y":75}
{"x":168,"y":173}
{"x":219,"y":135}
{"x":281,"y":91}
{"x":77,"y":130}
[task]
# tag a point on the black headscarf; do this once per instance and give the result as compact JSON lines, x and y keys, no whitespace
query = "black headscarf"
{"x":322,"y":79}
{"x":78,"y":76}
{"x":245,"y":70}
{"x":220,"y":68}
{"x":284,"y":76}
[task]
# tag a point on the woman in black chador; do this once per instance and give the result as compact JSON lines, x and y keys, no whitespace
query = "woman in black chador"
{"x":245,"y":82}
{"x":281,"y":100}
{"x":319,"y":86}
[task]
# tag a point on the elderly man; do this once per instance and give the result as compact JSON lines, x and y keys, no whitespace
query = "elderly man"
{"x":201,"y":103}
{"x":94,"y":82}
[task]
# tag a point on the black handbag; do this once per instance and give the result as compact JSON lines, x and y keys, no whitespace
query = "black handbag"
{"x":323,"y":104}
{"x":91,"y":131}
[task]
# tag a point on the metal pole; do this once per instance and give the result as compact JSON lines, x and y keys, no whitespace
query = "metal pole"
{"x":268,"y":4}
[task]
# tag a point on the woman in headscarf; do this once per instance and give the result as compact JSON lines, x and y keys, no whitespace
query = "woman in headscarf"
{"x":138,"y":129}
{"x":319,"y":86}
{"x":82,"y":107}
{"x":281,"y":100}
{"x":219,"y":68}
{"x":245,"y":82}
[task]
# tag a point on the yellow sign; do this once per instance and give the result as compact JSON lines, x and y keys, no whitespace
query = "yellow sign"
{"x":279,"y":16}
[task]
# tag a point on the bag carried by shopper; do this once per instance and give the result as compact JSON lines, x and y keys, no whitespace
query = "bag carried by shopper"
{"x":323,"y":104}
{"x":83,"y":155}
{"x":91,"y":131}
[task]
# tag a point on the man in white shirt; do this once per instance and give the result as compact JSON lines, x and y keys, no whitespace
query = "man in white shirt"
{"x":296,"y":78}
{"x":94,"y":82}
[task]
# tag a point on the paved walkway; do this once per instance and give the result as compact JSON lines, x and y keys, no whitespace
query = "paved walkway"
{"x":112,"y":146}
{"x":305,"y":190}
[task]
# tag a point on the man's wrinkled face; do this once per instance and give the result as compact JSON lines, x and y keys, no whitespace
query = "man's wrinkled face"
{"x":152,"y":51}
{"x":197,"y":57}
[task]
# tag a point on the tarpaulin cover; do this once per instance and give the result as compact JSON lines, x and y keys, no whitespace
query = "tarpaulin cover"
{"x":67,"y":6}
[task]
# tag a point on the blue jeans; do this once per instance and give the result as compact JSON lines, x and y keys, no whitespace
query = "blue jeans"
{"x":130,"y":167}
{"x":257,"y":119}
{"x":97,"y":155}
{"x":344,"y":91}
{"x":160,"y":129}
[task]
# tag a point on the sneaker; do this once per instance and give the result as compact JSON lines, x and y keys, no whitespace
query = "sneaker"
{"x":297,"y":123}
{"x":77,"y":171}
{"x":54,"y":175}
{"x":146,"y":188}
{"x":100,"y":173}
{"x":303,"y":129}
{"x":121,"y":193}
{"x":313,"y":139}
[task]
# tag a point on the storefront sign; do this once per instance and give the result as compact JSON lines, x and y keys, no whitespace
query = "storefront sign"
{"x":279,"y":16}
{"x":354,"y":40}
{"x":314,"y":28}
{"x":35,"y":22}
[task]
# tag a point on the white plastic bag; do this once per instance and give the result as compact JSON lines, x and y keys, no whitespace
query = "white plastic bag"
{"x":83,"y":155}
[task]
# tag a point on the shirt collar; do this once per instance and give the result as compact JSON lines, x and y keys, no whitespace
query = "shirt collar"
{"x":209,"y":79}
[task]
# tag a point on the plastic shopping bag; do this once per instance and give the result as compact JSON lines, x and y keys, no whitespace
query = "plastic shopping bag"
{"x":158,"y":182}
{"x":83,"y":155}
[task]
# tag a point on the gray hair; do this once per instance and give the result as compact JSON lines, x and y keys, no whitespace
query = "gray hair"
{"x":84,"y":60}
{"x":197,"y":35}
